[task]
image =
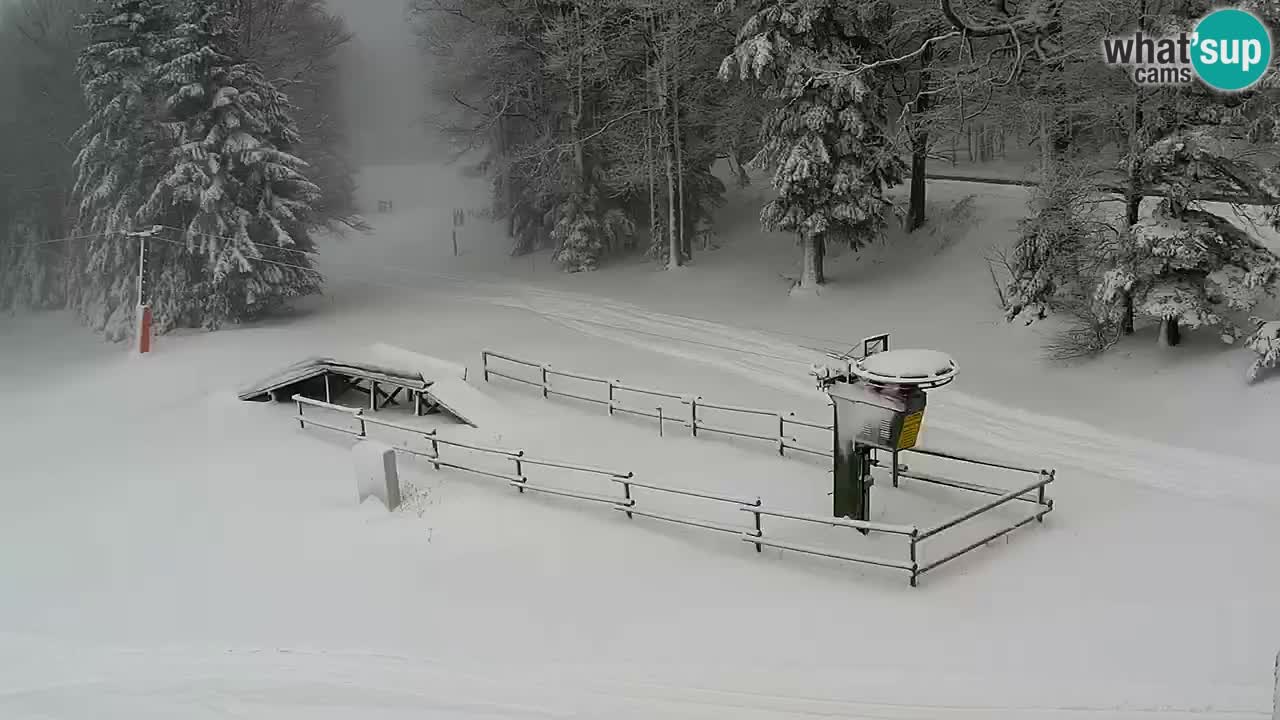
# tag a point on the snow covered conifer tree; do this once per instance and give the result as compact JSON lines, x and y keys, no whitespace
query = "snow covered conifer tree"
{"x":826,"y":138}
{"x":243,"y":202}
{"x":113,"y":178}
{"x":1265,"y":341}
{"x":1186,"y":267}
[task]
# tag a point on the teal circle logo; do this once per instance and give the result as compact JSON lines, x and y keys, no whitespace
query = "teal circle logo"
{"x":1231,"y":49}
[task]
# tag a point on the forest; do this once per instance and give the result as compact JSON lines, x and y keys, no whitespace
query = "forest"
{"x":602,"y":124}
{"x":213,"y":121}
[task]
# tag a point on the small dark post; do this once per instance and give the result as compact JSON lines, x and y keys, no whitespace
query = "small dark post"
{"x":626,"y":494}
{"x":519,"y":468}
{"x":782,"y":436}
{"x":373,"y":395}
{"x":459,"y":217}
{"x":435,"y":451}
{"x":544,"y":382}
{"x":610,"y":384}
{"x":693,"y":415}
{"x":915,"y":567}
{"x":302,"y":422}
{"x":1040,"y":495}
{"x":484,"y":365}
{"x":660,"y":421}
{"x":759,"y":527}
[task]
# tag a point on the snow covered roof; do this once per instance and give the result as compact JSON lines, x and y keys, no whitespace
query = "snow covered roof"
{"x":907,"y":367}
{"x":317,"y":366}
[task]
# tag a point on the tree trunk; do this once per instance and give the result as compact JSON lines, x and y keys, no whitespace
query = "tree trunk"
{"x":919,"y":160}
{"x":1133,"y":197}
{"x":686,"y":243}
{"x":1170,"y":333}
{"x":1126,"y":312}
{"x":1046,"y":145}
{"x":820,"y":249}
{"x":674,"y":253}
{"x":575,"y":111}
{"x":508,"y":183}
{"x":650,"y":162}
{"x":811,"y":270}
{"x":919,"y":146}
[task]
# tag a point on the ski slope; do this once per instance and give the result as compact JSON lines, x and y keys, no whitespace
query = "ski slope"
{"x":1033,"y":439}
{"x":168,"y":551}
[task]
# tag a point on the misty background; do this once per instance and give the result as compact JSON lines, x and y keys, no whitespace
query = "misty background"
{"x":384,"y":85}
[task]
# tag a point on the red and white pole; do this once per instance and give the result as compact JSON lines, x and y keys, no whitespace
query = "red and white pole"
{"x":142,"y":316}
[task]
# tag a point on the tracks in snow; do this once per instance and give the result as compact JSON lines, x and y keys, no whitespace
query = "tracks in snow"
{"x":1037,"y":439}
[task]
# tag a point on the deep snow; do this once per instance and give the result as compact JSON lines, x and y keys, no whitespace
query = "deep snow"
{"x":167,"y":551}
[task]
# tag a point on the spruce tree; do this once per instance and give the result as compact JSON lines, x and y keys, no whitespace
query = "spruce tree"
{"x":1265,"y":341}
{"x":1186,"y":267}
{"x":242,"y":201}
{"x":114,"y":174}
{"x":825,"y":139}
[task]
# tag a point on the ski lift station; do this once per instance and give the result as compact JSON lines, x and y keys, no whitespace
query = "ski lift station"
{"x":878,"y":399}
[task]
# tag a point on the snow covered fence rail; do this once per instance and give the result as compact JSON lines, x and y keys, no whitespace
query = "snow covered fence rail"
{"x":1043,"y":507}
{"x":754,"y":534}
{"x":909,"y":531}
{"x":786,"y":422}
{"x":1034,"y":493}
{"x":516,"y":479}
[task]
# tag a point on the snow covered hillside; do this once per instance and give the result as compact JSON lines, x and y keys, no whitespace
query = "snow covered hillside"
{"x":167,"y":551}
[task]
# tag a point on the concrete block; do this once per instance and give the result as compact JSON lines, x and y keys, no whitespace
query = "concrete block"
{"x":376,"y":474}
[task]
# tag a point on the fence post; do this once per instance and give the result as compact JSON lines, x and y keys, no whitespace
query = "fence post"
{"x":626,"y":494}
{"x":519,"y":468}
{"x":759,"y":527}
{"x":435,"y":450}
{"x":1040,"y":495}
{"x":302,"y":423}
{"x":782,"y":436}
{"x":360,"y":417}
{"x":1275,"y":712}
{"x":693,"y":414}
{"x":915,"y":567}
{"x":610,"y":384}
{"x":544,"y":381}
{"x":660,"y":421}
{"x":484,"y":364}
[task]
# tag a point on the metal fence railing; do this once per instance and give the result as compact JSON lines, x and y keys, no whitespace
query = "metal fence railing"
{"x":631,"y":487}
{"x":517,"y":478}
{"x":693,"y":415}
{"x":1034,"y":493}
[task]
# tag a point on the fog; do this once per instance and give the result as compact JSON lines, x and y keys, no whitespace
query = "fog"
{"x":384,"y":84}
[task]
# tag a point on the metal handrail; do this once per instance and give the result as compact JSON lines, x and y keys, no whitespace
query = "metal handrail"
{"x":973,"y":461}
{"x":908,"y":530}
{"x":970,"y":514}
{"x":692,"y":493}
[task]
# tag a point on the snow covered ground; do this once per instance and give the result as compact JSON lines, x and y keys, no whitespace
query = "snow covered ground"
{"x":167,"y":551}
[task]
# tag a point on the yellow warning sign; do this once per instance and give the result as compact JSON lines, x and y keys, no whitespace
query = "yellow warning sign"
{"x":910,"y":430}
